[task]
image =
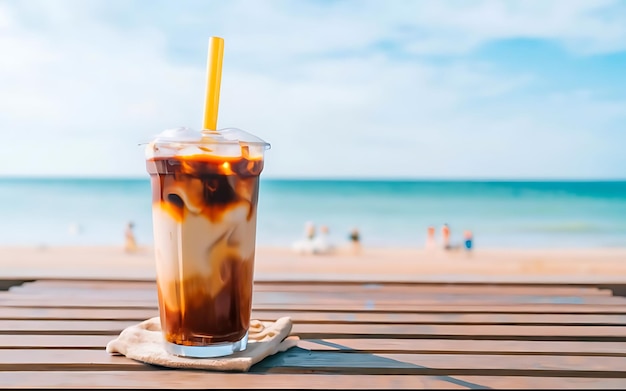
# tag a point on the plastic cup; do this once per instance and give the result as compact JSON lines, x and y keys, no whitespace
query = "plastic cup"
{"x":205,"y":188}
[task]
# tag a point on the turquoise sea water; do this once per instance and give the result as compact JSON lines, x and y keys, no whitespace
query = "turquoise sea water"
{"x":388,"y":213}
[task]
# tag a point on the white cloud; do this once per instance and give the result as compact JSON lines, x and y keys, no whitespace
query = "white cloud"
{"x":458,"y":27}
{"x":434,"y":27}
{"x":80,"y":89}
{"x":5,"y":17}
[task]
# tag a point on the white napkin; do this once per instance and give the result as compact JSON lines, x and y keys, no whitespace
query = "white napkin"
{"x":144,"y":342}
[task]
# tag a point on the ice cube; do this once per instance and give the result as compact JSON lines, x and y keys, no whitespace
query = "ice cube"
{"x":182,"y":134}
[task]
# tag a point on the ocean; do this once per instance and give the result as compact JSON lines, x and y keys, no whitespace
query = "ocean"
{"x":501,"y":214}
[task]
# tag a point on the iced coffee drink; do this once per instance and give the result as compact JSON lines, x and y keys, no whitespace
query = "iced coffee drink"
{"x":205,"y":187}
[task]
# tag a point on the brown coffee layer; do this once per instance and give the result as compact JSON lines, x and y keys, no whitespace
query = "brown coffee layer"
{"x":203,"y":318}
{"x":204,"y":185}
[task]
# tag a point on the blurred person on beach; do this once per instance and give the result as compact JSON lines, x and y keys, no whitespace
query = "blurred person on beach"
{"x":130,"y":244}
{"x":309,"y":230}
{"x":321,"y":244}
{"x":306,"y":245}
{"x":355,"y":239}
{"x":468,"y":240}
{"x":445,"y":236}
{"x":431,"y":242}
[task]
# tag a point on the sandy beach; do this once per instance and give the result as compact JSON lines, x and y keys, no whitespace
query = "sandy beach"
{"x":601,"y":266}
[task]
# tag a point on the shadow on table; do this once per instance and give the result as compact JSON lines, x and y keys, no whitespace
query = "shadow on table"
{"x":348,"y":361}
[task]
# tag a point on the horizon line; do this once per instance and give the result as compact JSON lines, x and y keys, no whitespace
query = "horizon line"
{"x":336,"y":179}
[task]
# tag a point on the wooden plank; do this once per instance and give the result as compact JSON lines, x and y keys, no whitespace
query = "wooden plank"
{"x":91,"y":282}
{"x":82,"y":296}
{"x":368,"y":345}
{"x":185,"y":379}
{"x":12,"y":341}
{"x":347,"y":330}
{"x":305,"y":300}
{"x":298,"y":360}
{"x":172,"y":379}
{"x":78,"y":300}
{"x":472,"y":346}
{"x":85,"y":284}
{"x":65,"y":359}
{"x":28,"y":313}
{"x":370,"y":306}
{"x":50,"y":313}
{"x":150,"y":296}
{"x":34,"y":303}
{"x":46,"y":285}
{"x":64,"y":327}
{"x":177,"y":379}
{"x":438,"y":288}
{"x":538,"y":383}
{"x":607,"y":277}
{"x":555,"y":333}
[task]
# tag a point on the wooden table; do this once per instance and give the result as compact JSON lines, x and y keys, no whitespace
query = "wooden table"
{"x":353,"y":335}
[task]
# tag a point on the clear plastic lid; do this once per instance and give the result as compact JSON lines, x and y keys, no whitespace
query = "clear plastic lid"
{"x":224,"y":142}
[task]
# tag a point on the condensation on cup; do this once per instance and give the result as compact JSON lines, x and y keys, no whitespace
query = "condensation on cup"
{"x":205,"y":188}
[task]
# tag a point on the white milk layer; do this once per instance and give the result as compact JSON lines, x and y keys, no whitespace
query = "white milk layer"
{"x":196,"y":248}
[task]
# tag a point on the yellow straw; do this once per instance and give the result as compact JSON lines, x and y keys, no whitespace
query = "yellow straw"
{"x":213,"y":81}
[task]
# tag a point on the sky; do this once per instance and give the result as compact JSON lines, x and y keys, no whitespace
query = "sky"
{"x":341,"y":89}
